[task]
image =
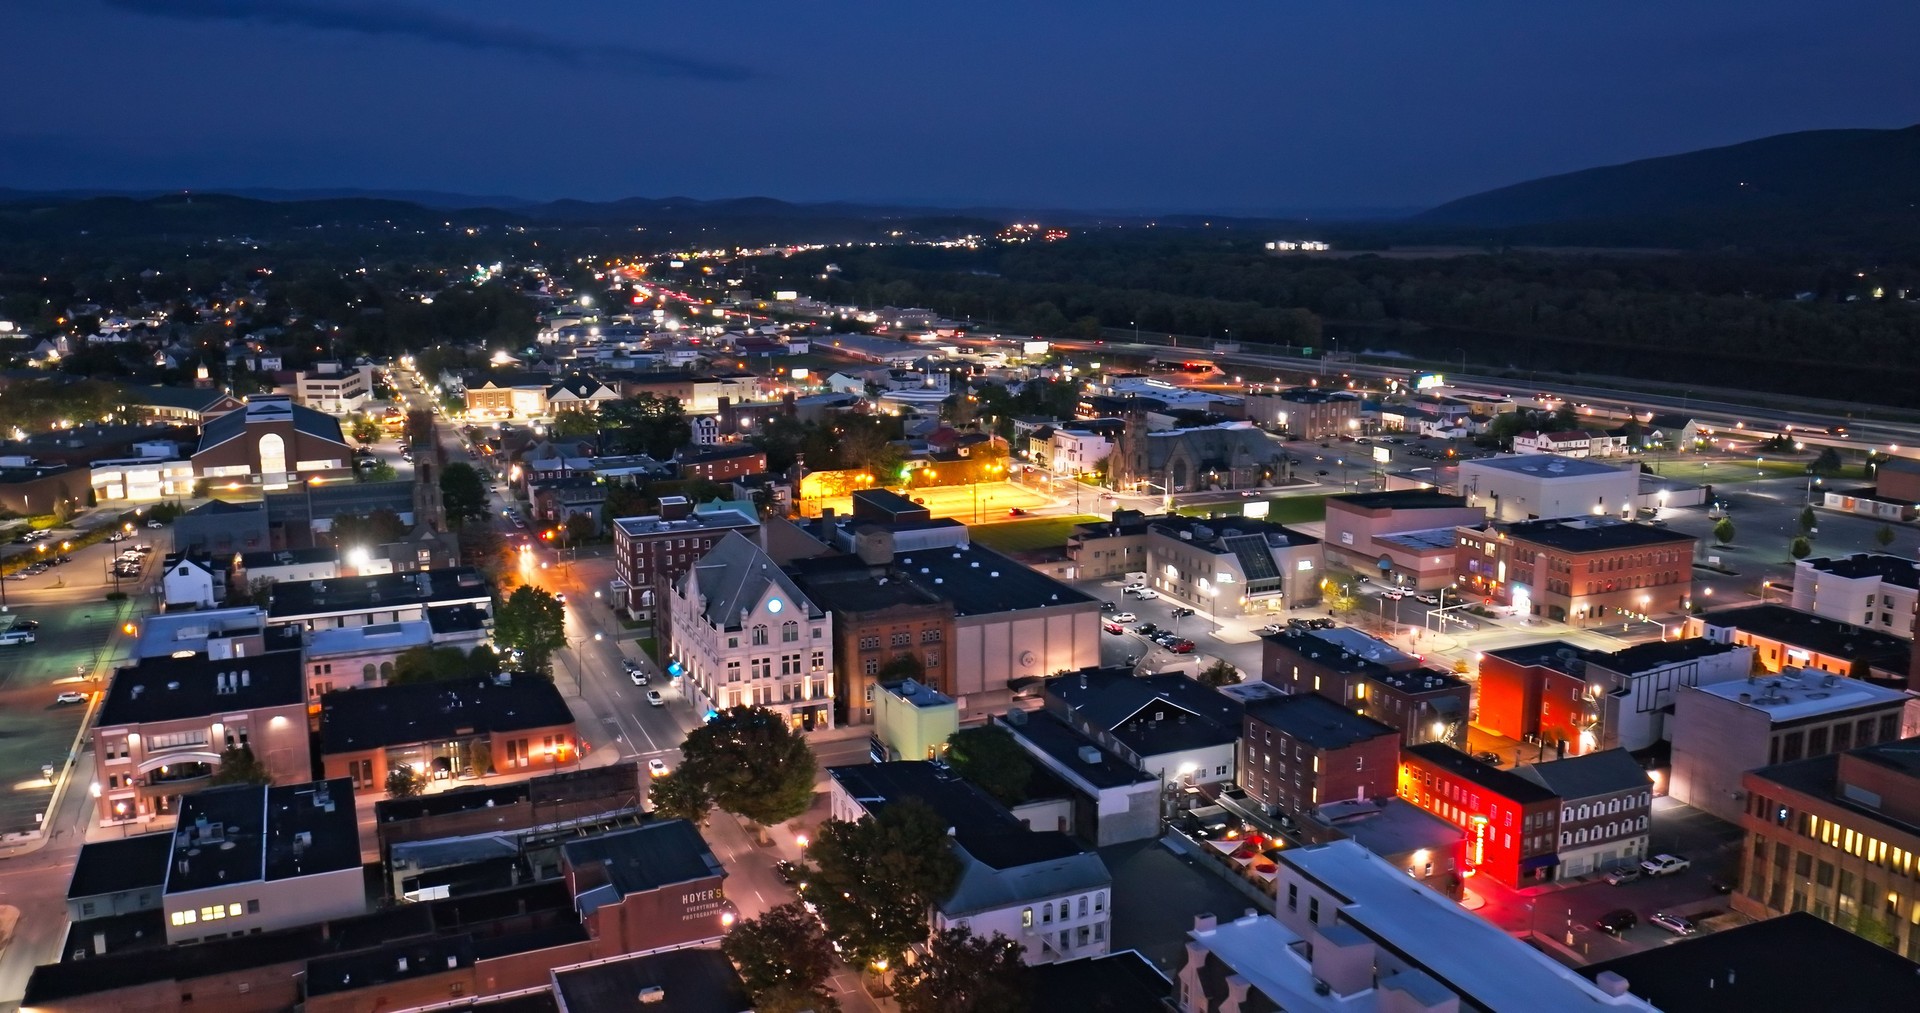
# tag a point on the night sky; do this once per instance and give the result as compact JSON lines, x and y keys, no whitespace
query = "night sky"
{"x":1278,"y":105}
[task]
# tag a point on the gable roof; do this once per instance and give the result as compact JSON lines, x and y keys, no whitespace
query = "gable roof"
{"x":306,"y":421}
{"x":734,"y":575}
{"x":1607,"y":772}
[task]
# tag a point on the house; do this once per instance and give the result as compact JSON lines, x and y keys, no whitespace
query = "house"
{"x":166,"y":721}
{"x":1511,"y":823}
{"x":1673,"y":430}
{"x":1723,"y":730}
{"x":1572,"y":443}
{"x":1519,"y":487}
{"x":1580,"y":570}
{"x":735,"y":615}
{"x":272,"y":444}
{"x":254,"y":858}
{"x":911,"y":721}
{"x":1169,"y":725}
{"x":192,"y":583}
{"x":1605,"y":800}
{"x":445,"y":730}
{"x":1040,"y":888}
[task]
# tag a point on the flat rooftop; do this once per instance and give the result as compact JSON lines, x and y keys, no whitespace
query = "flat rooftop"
{"x":1390,"y":826}
{"x":1813,"y":633}
{"x":245,"y":833}
{"x":636,"y":860}
{"x":1124,"y":982}
{"x":957,"y":801}
{"x":980,"y":581}
{"x":1152,"y":714}
{"x":167,"y":632}
{"x":690,"y":981}
{"x":349,"y":640}
{"x":1543,"y":465}
{"x":336,"y":595}
{"x":1592,"y":534}
{"x":1424,"y":540}
{"x":652,"y":525}
{"x":1060,"y":743}
{"x":1897,"y":570}
{"x":171,"y":689}
{"x":1317,"y":721}
{"x":1505,"y":783}
{"x":116,"y":866}
{"x":1793,"y":962}
{"x":1793,"y":694}
{"x":361,"y":719}
{"x":1473,"y":957}
{"x":1398,"y":499}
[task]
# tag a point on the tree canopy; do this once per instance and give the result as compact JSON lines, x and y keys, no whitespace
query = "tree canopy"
{"x":462,"y":493}
{"x":238,"y":765}
{"x":876,"y":879}
{"x":647,"y":424}
{"x":533,"y":622}
{"x":676,"y":795}
{"x":963,"y":973}
{"x":990,"y":758}
{"x":784,"y":959}
{"x":753,"y":764}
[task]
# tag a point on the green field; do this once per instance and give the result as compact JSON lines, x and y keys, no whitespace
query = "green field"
{"x":1027,"y":535}
{"x":1282,"y":510}
{"x":1722,"y":471}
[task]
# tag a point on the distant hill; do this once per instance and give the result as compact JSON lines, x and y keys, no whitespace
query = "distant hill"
{"x":1862,"y":175}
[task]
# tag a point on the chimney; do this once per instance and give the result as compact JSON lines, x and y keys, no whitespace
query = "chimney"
{"x":826,"y":523}
{"x":674,"y":508}
{"x":1205,"y":922}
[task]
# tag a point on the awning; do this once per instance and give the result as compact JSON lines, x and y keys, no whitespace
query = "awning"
{"x":1539,"y":862}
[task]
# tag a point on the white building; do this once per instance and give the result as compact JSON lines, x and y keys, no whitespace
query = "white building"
{"x":359,"y":657}
{"x":332,"y":388}
{"x":1870,"y":589}
{"x":192,"y":583}
{"x":1606,"y":801}
{"x":747,"y":636}
{"x":141,"y":480}
{"x":1076,"y":451}
{"x":1573,"y":443}
{"x":1518,"y":487}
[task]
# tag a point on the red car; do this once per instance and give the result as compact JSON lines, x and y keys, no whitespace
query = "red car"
{"x":1181,"y":647}
{"x":1112,"y":627}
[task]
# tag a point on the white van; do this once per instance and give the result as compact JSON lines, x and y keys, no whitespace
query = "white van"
{"x":12,"y":637}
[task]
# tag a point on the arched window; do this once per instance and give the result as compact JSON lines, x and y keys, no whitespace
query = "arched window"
{"x":386,"y":671}
{"x":366,"y":673}
{"x":273,"y":459}
{"x":759,"y":636}
{"x":789,"y":632}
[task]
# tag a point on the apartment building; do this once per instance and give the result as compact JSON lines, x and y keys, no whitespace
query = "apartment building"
{"x":1584,"y":571}
{"x":1871,"y":590}
{"x":1605,"y":801}
{"x":1371,"y":677}
{"x":1300,"y":751}
{"x":651,"y":552}
{"x":1579,"y":700}
{"x":1783,"y":638}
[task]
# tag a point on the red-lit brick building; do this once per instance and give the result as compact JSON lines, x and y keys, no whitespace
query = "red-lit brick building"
{"x":1580,"y":570}
{"x":1512,"y":824}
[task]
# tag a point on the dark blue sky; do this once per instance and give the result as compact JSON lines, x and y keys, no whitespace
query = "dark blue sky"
{"x":1082,"y":103}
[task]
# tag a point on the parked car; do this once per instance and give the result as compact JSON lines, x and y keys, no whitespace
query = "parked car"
{"x":657,"y":767}
{"x":789,"y":873}
{"x":1393,"y":595}
{"x":1489,"y":757}
{"x":1181,"y":647}
{"x":654,"y":699}
{"x":1269,"y":629}
{"x":1112,"y":627}
{"x":1427,"y":599}
{"x":1144,"y":594}
{"x":639,"y":678}
{"x":1107,"y":606}
{"x":1664,"y":865}
{"x":1124,"y":617}
{"x":70,"y":697}
{"x":151,"y":523}
{"x":1675,"y":924}
{"x":1622,"y":875}
{"x":1138,"y":585}
{"x":1146,"y":629}
{"x":1615,"y":923}
{"x":1181,"y":611}
{"x":14,"y":638}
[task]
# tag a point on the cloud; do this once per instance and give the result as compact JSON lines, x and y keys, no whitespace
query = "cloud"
{"x":395,"y":21}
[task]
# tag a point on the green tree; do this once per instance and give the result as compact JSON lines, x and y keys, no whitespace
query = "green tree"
{"x":1800,"y":547}
{"x":647,"y":424}
{"x":1723,"y":532}
{"x":753,"y":763}
{"x":579,"y":528}
{"x":1564,"y":418}
{"x":430,"y":664}
{"x":484,"y":549}
{"x":574,"y":425}
{"x":366,"y":430}
{"x":1869,"y":927}
{"x":532,"y":622}
{"x":1884,"y":536}
{"x":402,"y":782}
{"x":964,"y":973}
{"x":784,"y":959}
{"x":900,"y":666}
{"x":462,"y":493}
{"x":990,"y":758}
{"x":876,"y":879}
{"x":380,"y":472}
{"x":1826,"y":463}
{"x":1218,"y":674}
{"x":676,"y":795}
{"x":1807,"y":520}
{"x":238,"y":765}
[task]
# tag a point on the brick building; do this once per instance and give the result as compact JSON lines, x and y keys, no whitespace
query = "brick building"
{"x":1605,"y":801}
{"x":1512,"y":824}
{"x":1308,"y":413}
{"x":1371,"y":677}
{"x":1837,"y":836}
{"x":876,"y":621}
{"x":166,"y":721}
{"x":652,"y":886}
{"x":1579,"y":700}
{"x":1783,"y":638}
{"x":1584,"y":570}
{"x":446,"y":730}
{"x":651,"y":552}
{"x":721,"y":463}
{"x":272,"y":444}
{"x":1300,"y":751}
{"x":1411,"y":530}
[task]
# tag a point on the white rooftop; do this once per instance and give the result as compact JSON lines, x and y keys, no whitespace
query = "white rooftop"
{"x":1361,"y":645}
{"x":1262,"y":950}
{"x":1475,"y":958}
{"x":166,"y":633}
{"x":1543,"y":465}
{"x":1798,"y":693}
{"x":351,"y":640}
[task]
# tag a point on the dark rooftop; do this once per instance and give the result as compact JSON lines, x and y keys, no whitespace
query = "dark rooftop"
{"x":1418,"y":680}
{"x":1062,"y":744}
{"x":1607,"y":772}
{"x":288,"y":557}
{"x":957,"y":801}
{"x":1398,"y":499}
{"x":1793,"y":962}
{"x":243,"y":833}
{"x":1819,"y":777}
{"x":1150,"y":714}
{"x":1572,"y":660}
{"x":1010,"y":849}
{"x":353,"y":720}
{"x":1817,"y":634}
{"x":116,"y":866}
{"x":1896,"y":570}
{"x":643,"y":858}
{"x":1123,"y":982}
{"x":690,"y":981}
{"x":1317,"y":721}
{"x":848,"y":584}
{"x":1505,"y":783}
{"x":384,"y":590}
{"x":397,"y":961}
{"x":1217,"y":533}
{"x":1593,"y":534}
{"x":616,"y":778}
{"x":168,"y":689}
{"x":980,"y":581}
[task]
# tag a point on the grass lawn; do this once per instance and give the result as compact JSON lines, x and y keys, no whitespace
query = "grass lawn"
{"x":647,"y":647}
{"x":1027,"y":535}
{"x":1722,"y":471}
{"x":1281,"y":510}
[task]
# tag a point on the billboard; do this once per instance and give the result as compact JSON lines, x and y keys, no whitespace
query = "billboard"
{"x":1255,"y":508}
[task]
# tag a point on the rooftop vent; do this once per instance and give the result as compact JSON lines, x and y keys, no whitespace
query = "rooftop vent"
{"x":1089,"y":754}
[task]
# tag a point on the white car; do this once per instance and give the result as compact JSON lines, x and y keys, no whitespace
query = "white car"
{"x":639,"y":678}
{"x":154,"y":524}
{"x":1144,"y":593}
{"x":1427,"y":599}
{"x":1675,"y":924}
{"x":1393,"y":595}
{"x":70,"y":697}
{"x":657,"y":767}
{"x":1665,"y":865}
{"x":1123,"y":617}
{"x":654,"y":699}
{"x":1135,"y":586}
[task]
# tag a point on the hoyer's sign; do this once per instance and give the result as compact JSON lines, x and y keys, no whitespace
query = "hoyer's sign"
{"x":701,"y":904}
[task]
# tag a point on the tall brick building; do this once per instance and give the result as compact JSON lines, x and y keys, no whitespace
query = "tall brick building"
{"x":1582,"y":570}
